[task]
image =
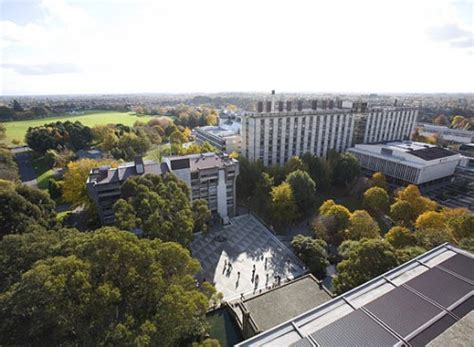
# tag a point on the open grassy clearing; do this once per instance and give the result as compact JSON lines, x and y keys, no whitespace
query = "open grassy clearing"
{"x":17,"y":130}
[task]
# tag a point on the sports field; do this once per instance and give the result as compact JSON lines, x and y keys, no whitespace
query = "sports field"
{"x":17,"y":130}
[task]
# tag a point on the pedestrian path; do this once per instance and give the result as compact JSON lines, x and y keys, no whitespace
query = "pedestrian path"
{"x":244,"y":258}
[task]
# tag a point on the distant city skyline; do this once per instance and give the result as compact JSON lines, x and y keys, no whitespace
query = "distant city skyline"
{"x":211,"y":46}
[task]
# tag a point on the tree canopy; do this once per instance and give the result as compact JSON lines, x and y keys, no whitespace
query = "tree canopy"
{"x":313,"y":253}
{"x":304,"y":190}
{"x":345,"y":168}
{"x":362,"y":225}
{"x":376,"y":200}
{"x":160,"y":207}
{"x":400,"y":237}
{"x":363,"y":260}
{"x":74,"y":183}
{"x":102,"y":288}
{"x":59,"y":135}
{"x":284,"y":208}
{"x":22,"y":208}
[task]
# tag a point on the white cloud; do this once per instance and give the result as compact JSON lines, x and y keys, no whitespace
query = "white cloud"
{"x":214,"y":45}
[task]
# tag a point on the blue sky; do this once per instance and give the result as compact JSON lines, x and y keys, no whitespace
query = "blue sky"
{"x":123,"y":46}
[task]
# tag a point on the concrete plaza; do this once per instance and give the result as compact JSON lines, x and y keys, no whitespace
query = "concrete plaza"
{"x":244,"y":244}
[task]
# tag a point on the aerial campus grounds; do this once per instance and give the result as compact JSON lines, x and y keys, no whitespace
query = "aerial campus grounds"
{"x":244,"y":258}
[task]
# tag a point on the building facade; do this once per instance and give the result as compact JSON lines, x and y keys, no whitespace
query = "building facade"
{"x":104,"y":184}
{"x":209,"y":176}
{"x":276,"y":133}
{"x":447,"y":134}
{"x":223,"y":139}
{"x":407,"y":162}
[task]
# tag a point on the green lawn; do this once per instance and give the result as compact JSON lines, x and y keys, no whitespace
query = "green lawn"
{"x":43,"y":172}
{"x":17,"y":130}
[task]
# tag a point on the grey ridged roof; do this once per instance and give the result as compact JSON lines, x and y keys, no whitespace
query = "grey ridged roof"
{"x":411,"y":304}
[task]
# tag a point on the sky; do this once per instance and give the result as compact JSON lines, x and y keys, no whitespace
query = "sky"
{"x":210,"y":46}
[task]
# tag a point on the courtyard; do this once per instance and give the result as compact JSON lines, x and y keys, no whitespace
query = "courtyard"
{"x":244,"y":258}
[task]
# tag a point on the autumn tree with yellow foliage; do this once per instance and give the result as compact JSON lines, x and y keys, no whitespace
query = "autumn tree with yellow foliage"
{"x":74,"y":186}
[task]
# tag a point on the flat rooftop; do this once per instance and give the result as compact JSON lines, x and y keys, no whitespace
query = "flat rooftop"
{"x":412,"y":304}
{"x":202,"y":161}
{"x":420,"y":150}
{"x":285,"y":302}
{"x":244,"y":243}
{"x":218,"y":131}
{"x":123,"y":171}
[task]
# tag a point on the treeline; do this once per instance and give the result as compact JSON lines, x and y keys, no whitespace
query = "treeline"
{"x":17,"y":112}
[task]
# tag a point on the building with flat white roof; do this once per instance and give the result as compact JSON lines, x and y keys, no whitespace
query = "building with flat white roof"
{"x":280,"y":130}
{"x":407,"y":161}
{"x":426,"y":301}
{"x":447,"y":134}
{"x":223,"y":138}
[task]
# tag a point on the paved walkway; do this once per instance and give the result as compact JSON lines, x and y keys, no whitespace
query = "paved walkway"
{"x":27,"y":172}
{"x":244,"y":244}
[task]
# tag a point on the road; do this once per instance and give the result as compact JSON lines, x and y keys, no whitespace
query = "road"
{"x":27,"y":172}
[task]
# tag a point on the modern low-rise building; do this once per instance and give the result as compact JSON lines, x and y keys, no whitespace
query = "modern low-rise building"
{"x":277,"y":132}
{"x":209,"y":176}
{"x":426,"y":301}
{"x":224,"y":139}
{"x":446,"y":134}
{"x":104,"y":184}
{"x":407,"y":161}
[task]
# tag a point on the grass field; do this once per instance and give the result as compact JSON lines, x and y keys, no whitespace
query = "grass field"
{"x":17,"y":130}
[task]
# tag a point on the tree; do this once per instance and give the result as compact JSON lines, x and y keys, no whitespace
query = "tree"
{"x":418,"y":203}
{"x":408,"y":253}
{"x":440,"y":120}
{"x":340,"y":212}
{"x":249,"y":174}
{"x":363,"y":261}
{"x":55,"y":188}
{"x":284,"y":208}
{"x":400,"y":237}
{"x":431,"y":219}
{"x":105,"y":288}
{"x":432,"y":237}
{"x":17,"y":106}
{"x":202,"y":215}
{"x":457,"y":121}
{"x":160,"y":207}
{"x":295,"y":163}
{"x":376,"y":200}
{"x":467,"y":244}
{"x":345,"y":169}
{"x":460,"y":221}
{"x":378,"y":180}
{"x":362,"y":225}
{"x":6,"y":113}
{"x":23,"y":208}
{"x":59,"y":135}
{"x":313,"y":253}
{"x":261,"y":200}
{"x":131,"y":145}
{"x":8,"y":166}
{"x":304,"y":190}
{"x":3,"y":132}
{"x":318,"y":170}
{"x":177,"y":137}
{"x":74,"y":183}
{"x":401,"y":212}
